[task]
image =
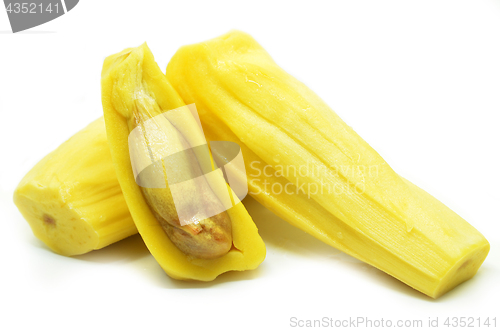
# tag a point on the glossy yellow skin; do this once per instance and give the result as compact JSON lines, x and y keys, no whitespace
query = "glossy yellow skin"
{"x":384,"y":220}
{"x":123,"y":74}
{"x":72,"y":199}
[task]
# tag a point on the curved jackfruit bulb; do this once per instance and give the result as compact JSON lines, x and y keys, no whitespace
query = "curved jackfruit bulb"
{"x":310,"y":168}
{"x":141,"y":112}
{"x":72,"y":199}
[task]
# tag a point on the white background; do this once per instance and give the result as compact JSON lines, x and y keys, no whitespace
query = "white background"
{"x":419,"y":80}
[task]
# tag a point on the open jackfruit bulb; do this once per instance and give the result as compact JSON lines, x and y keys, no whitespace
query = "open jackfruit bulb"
{"x":147,"y":123}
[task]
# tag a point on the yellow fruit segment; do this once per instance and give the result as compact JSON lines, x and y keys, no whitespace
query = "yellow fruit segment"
{"x":310,"y":168}
{"x":134,"y":93}
{"x":72,"y":199}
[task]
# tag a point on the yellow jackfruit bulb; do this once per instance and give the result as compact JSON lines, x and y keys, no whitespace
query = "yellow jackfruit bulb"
{"x":157,"y":145}
{"x":72,"y":199}
{"x":310,"y":168}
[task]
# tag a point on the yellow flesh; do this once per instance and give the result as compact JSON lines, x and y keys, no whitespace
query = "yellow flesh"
{"x":243,"y":96}
{"x":72,"y":199}
{"x":126,"y":76}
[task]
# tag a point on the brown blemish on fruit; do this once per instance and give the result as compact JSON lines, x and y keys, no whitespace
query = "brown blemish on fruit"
{"x":48,"y":220}
{"x":464,"y":265}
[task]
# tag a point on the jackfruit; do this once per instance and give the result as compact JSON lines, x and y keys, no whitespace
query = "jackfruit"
{"x":310,"y":168}
{"x":141,"y":112}
{"x":72,"y":199}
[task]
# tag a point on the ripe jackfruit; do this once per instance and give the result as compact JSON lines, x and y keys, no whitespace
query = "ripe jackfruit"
{"x":137,"y":99}
{"x":72,"y":199}
{"x":310,"y":168}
